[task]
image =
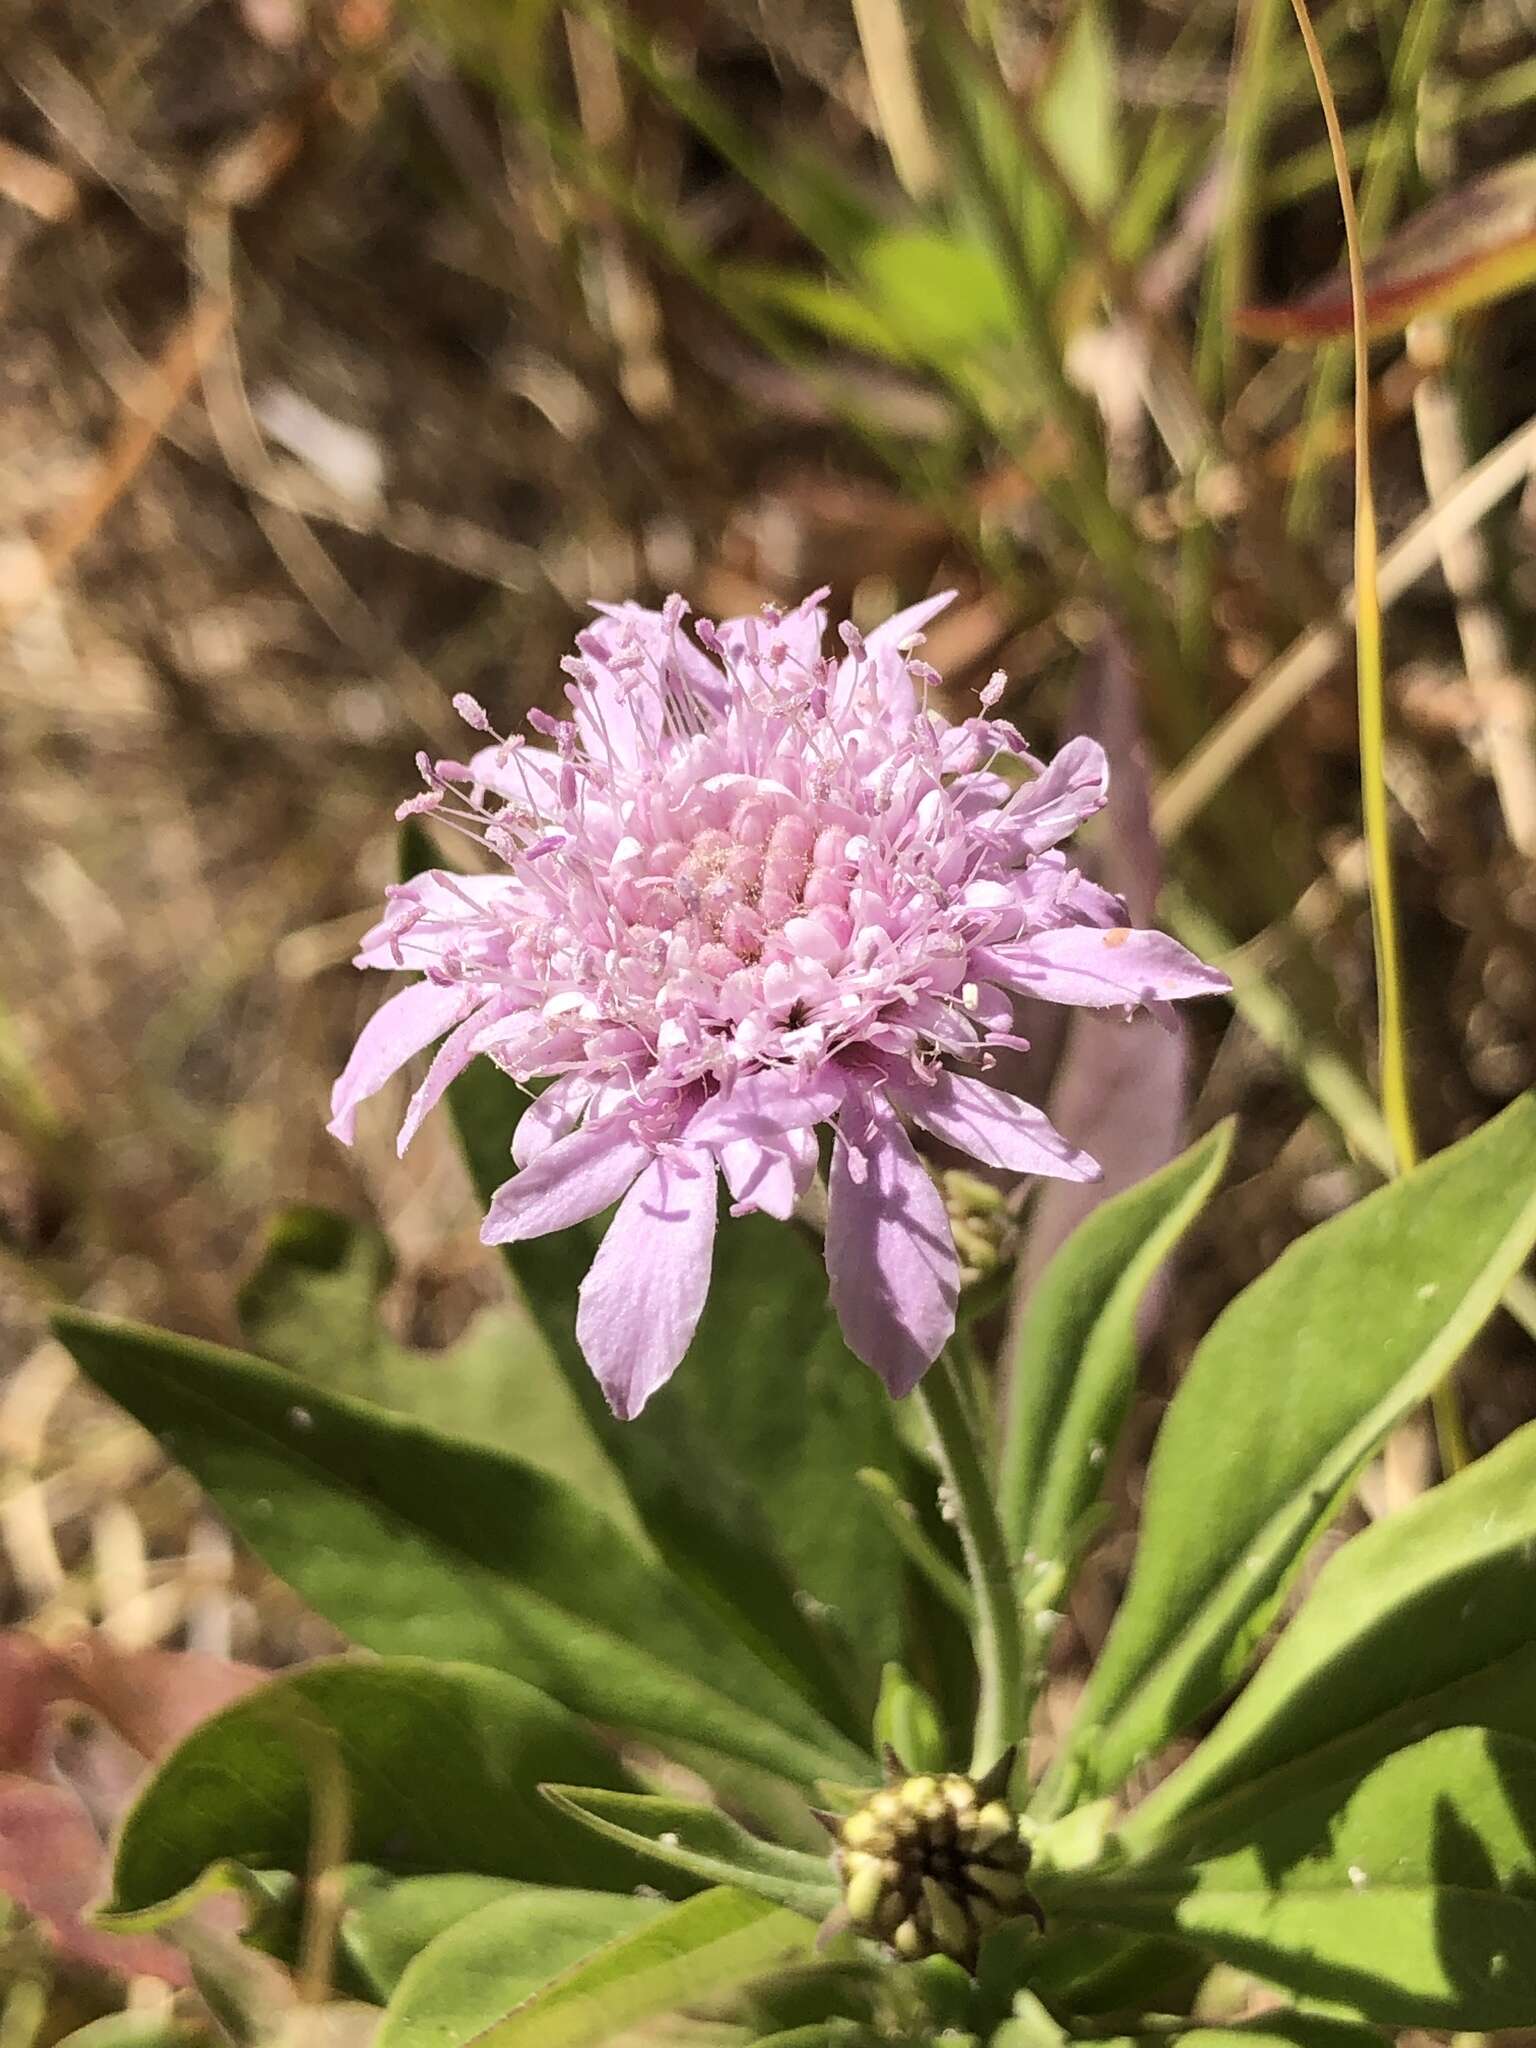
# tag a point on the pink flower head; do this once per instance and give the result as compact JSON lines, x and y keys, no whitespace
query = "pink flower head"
{"x":749,"y":890}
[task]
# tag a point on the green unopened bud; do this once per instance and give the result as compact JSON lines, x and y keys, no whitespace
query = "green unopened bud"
{"x":929,"y":1864}
{"x":979,"y":1222}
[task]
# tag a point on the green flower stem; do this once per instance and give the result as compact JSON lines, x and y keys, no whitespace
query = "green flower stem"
{"x":945,"y":1403}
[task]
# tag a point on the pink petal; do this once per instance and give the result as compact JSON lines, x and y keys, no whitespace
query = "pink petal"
{"x":450,"y":1060}
{"x":549,"y":1117}
{"x":998,"y":1129}
{"x":396,"y":1032}
{"x":1102,"y":970}
{"x":641,"y":1302}
{"x":885,"y":668}
{"x":902,"y":625}
{"x":890,"y":1256}
{"x":801,"y":632}
{"x":620,"y":714}
{"x":577,"y":1177}
{"x":528,"y":775}
{"x":770,"y":1174}
{"x":763,"y":1104}
{"x":671,"y":647}
{"x":447,"y":900}
{"x":1073,"y":787}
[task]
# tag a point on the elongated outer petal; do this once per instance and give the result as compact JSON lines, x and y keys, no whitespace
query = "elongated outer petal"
{"x":770,"y":1174}
{"x":998,"y":1129}
{"x":528,"y":775}
{"x":446,"y":900}
{"x":575,"y":1178}
{"x":1073,"y":787}
{"x":450,"y":1060}
{"x":396,"y":1032}
{"x":897,"y":698}
{"x":763,"y":1135}
{"x":641,"y":1301}
{"x":890,"y":1256}
{"x":903,"y":624}
{"x":549,"y":1117}
{"x":763,"y":1104}
{"x":671,"y":648}
{"x":1101,"y":970}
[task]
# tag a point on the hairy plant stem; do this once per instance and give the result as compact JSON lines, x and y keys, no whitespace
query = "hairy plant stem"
{"x":945,"y":1402}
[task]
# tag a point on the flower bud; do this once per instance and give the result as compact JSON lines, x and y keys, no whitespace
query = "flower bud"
{"x":930,"y":1863}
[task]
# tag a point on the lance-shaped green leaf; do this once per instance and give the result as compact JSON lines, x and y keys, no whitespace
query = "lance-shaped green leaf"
{"x":387,"y":1921}
{"x":1074,"y":1364}
{"x":312,"y":1304}
{"x":703,"y":1841}
{"x":1466,"y":248}
{"x":907,"y":1721}
{"x":1274,"y":2030}
{"x":1408,"y":1898}
{"x":434,"y":1767}
{"x":1421,"y":1621}
{"x":690,"y":1954}
{"x":415,"y":1542}
{"x":478,"y":1971}
{"x":1294,"y":1388}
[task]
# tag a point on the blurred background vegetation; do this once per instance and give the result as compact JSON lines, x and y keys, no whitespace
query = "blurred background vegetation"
{"x":349,"y":347}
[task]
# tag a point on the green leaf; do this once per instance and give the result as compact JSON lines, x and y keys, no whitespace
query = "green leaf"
{"x":1408,"y":1899}
{"x":415,"y":1542}
{"x":438,"y":1766}
{"x":704,"y":1842}
{"x":853,"y":1990}
{"x":770,"y":1390}
{"x":387,"y":1921}
{"x":479,"y":1970}
{"x":1074,"y":1365}
{"x":312,"y":1304}
{"x":1096,"y":1970}
{"x":942,"y":293}
{"x":837,"y":312}
{"x":694,"y":1952}
{"x":1296,"y":1385}
{"x":1274,"y":2030}
{"x":908,"y":1721}
{"x":384,"y":1920}
{"x":1422,"y":1620}
{"x":1079,"y":109}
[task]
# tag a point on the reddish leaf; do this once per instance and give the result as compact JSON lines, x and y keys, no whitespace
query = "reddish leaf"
{"x":1119,"y":1088}
{"x":151,"y":1698}
{"x":53,"y":1863}
{"x":1464,"y":249}
{"x":53,"y":1858}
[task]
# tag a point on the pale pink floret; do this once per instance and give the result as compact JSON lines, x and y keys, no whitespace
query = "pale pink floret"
{"x":751,"y":890}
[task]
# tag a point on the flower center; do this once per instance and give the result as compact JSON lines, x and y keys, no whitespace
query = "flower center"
{"x":738,"y":883}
